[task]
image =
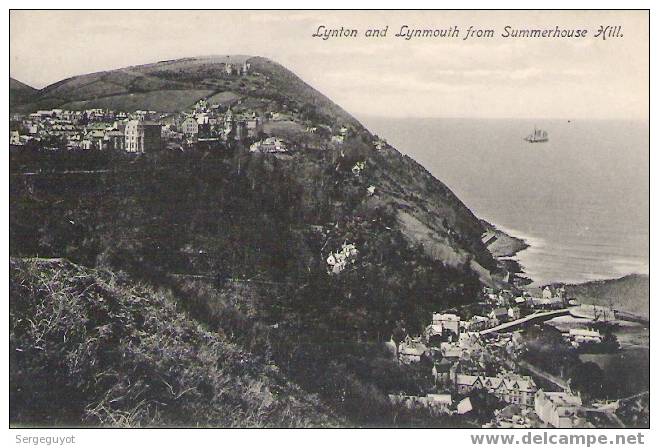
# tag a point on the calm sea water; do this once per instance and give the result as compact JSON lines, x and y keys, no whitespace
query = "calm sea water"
{"x":581,"y":200}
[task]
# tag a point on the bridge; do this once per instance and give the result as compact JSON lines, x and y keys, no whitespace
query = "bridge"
{"x":526,"y":320}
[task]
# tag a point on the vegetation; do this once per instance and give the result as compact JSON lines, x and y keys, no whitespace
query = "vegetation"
{"x":629,"y":293}
{"x":237,"y":243}
{"x":90,"y":348}
{"x":235,"y":238}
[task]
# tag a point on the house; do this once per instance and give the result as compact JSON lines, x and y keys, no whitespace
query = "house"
{"x":547,"y":293}
{"x":411,"y":350}
{"x":450,"y":351}
{"x":337,"y":261}
{"x":245,"y":68}
{"x":514,"y":313}
{"x":358,"y":168}
{"x":15,"y":138}
{"x":448,"y":321}
{"x":557,"y":409}
{"x":380,"y":144}
{"x":478,"y":323}
{"x":464,"y":406}
{"x":498,"y":315}
{"x":579,"y":336}
{"x":95,"y":137}
{"x":437,"y":403}
{"x":520,"y":300}
{"x":337,"y":139}
{"x":508,"y":387}
{"x":269,"y":145}
{"x":143,"y":136}
{"x":556,"y":294}
{"x":86,"y":144}
{"x":254,"y":126}
{"x":433,"y":332}
{"x":441,"y":371}
{"x":229,"y":122}
{"x":512,"y":416}
{"x":545,"y":303}
{"x":114,"y":140}
{"x":190,"y":127}
{"x":241,"y":130}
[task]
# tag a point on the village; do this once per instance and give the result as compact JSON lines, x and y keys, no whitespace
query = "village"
{"x":210,"y":123}
{"x":467,"y":352}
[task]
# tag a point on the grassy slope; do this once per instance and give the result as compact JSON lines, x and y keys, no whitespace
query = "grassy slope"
{"x":164,"y":101}
{"x":19,"y":92}
{"x":630,"y":293}
{"x":87,"y":346}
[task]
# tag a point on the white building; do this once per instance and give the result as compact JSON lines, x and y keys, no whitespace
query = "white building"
{"x":557,"y":409}
{"x":190,"y":127}
{"x":448,"y":321}
{"x":143,"y":136}
{"x":579,"y":335}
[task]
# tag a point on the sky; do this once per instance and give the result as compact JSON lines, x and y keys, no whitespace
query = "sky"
{"x":497,"y":77}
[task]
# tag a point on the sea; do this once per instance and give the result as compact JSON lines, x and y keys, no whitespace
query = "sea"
{"x":581,"y":200}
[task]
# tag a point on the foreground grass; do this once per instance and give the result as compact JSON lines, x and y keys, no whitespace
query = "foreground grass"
{"x":88,"y":347}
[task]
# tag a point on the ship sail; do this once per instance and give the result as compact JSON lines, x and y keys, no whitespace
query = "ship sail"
{"x":537,"y":136}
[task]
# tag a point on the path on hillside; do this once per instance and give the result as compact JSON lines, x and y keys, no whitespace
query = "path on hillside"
{"x":544,"y":374}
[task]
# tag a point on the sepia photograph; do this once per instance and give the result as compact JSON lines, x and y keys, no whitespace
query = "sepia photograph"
{"x":329,"y":219}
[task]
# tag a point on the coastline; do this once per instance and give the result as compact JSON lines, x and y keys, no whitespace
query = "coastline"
{"x":629,"y":293}
{"x":504,"y":247}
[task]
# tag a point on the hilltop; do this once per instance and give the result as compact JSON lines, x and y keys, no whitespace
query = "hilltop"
{"x":19,"y":92}
{"x":174,"y":85}
{"x":629,"y":293}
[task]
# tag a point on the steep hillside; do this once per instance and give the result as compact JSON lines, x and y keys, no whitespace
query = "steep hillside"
{"x":90,"y":347}
{"x":630,"y":293}
{"x":429,"y":212}
{"x":242,"y":239}
{"x":19,"y":93}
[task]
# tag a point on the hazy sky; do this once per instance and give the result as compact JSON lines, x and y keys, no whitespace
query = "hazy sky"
{"x":495,"y":77}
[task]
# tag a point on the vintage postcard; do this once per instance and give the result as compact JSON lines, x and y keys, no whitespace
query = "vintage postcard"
{"x":330,"y":219}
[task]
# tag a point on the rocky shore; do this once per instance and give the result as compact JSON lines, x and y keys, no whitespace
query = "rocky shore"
{"x":504,"y":247}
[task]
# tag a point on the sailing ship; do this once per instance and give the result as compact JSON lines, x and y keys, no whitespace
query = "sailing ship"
{"x":537,"y":136}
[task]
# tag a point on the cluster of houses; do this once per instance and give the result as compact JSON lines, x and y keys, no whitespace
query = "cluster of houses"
{"x":149,"y":131}
{"x":210,"y":122}
{"x":463,"y":361}
{"x":337,"y":261}
{"x":137,"y":132}
{"x":96,"y":129}
{"x":549,"y":410}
